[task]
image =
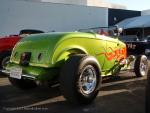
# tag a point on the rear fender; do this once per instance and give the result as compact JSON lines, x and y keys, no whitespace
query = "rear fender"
{"x":67,"y":53}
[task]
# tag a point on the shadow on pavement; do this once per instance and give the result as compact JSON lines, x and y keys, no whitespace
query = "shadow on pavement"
{"x":115,"y":103}
{"x":14,"y":97}
{"x":2,"y":75}
{"x":120,"y":98}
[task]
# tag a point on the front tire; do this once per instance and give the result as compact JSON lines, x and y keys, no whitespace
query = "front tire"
{"x":80,"y":79}
{"x":141,"y":66}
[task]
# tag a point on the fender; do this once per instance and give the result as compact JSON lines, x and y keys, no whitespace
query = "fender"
{"x":66,"y":53}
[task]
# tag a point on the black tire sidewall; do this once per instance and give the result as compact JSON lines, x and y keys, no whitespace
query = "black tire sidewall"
{"x":68,"y":80}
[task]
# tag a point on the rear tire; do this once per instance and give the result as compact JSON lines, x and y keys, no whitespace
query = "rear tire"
{"x":80,"y":79}
{"x":141,"y":66}
{"x":22,"y":83}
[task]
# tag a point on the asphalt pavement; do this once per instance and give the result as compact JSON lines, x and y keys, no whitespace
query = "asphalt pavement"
{"x":123,"y":94}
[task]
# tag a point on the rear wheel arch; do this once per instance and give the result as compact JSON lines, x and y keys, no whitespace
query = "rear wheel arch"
{"x":67,"y":53}
{"x":74,"y":51}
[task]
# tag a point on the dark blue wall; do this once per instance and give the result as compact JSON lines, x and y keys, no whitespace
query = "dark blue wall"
{"x":117,"y":15}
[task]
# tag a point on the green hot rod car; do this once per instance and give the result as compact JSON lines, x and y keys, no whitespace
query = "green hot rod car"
{"x":75,"y":60}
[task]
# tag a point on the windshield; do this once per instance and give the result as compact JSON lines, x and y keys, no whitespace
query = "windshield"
{"x":107,"y":31}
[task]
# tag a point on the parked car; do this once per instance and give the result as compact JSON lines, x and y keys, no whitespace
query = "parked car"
{"x":8,"y":42}
{"x":75,"y":60}
{"x":136,"y":46}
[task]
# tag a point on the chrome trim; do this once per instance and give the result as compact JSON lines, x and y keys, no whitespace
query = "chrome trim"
{"x":28,"y":76}
{"x":5,"y":71}
{"x":23,"y":75}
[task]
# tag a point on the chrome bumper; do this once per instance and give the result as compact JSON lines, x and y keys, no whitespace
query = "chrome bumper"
{"x":5,"y":72}
{"x":23,"y":75}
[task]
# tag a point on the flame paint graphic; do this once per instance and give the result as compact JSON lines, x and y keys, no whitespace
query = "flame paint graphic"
{"x":117,"y":54}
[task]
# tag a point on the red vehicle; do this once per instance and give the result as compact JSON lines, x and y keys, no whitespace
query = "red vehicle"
{"x":8,"y":42}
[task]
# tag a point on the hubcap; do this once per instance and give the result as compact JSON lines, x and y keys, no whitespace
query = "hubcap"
{"x":87,"y":80}
{"x":143,"y":67}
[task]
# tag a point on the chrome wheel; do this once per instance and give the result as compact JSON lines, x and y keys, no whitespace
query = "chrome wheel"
{"x":143,"y":67}
{"x":87,"y":80}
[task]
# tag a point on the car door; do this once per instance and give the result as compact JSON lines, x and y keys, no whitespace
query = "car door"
{"x":112,"y":47}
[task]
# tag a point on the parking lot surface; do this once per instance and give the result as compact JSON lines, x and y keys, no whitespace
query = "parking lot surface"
{"x":123,"y":94}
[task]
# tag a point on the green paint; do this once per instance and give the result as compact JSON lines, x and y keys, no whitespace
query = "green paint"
{"x":57,"y":47}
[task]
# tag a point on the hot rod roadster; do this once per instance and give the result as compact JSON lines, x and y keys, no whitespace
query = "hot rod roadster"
{"x":75,"y":60}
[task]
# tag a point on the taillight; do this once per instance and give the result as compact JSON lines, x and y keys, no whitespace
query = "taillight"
{"x":25,"y":58}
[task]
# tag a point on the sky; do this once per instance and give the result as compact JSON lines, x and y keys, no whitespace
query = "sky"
{"x":133,"y":4}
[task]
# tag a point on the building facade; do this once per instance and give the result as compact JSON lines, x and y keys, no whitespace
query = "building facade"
{"x":96,"y":3}
{"x":117,"y":15}
{"x":48,"y":16}
{"x":146,"y":12}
